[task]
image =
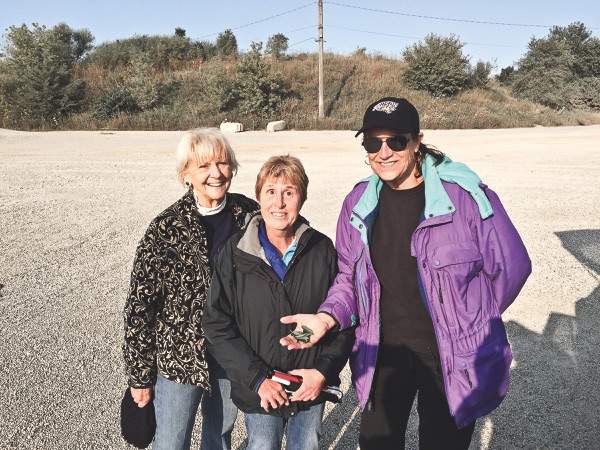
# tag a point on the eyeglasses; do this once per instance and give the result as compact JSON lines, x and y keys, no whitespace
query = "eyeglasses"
{"x":396,"y":143}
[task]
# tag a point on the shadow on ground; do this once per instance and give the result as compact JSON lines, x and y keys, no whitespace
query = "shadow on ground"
{"x":554,"y":398}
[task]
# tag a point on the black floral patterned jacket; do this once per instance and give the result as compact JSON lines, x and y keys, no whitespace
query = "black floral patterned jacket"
{"x":169,"y":284}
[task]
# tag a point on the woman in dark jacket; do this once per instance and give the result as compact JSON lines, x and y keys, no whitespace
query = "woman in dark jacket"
{"x":164,"y":346}
{"x":278,"y":266}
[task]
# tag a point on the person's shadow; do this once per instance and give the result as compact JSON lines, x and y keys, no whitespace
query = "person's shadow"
{"x":554,"y":397}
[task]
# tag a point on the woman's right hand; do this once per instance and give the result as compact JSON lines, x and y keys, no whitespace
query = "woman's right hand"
{"x":319,"y":324}
{"x":272,"y":395}
{"x":141,"y":396}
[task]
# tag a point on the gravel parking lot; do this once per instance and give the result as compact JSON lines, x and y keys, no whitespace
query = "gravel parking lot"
{"x":73,"y":206}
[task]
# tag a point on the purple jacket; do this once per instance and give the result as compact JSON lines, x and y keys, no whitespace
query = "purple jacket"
{"x":472,"y":264}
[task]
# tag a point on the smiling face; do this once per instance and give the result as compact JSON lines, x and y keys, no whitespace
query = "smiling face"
{"x":397,"y":169}
{"x":279,"y":206}
{"x":210,"y":179}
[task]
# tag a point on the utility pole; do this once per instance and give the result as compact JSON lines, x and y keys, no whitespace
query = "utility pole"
{"x":321,"y":113}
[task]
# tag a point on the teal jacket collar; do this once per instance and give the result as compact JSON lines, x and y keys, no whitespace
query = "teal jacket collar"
{"x":437,"y":202}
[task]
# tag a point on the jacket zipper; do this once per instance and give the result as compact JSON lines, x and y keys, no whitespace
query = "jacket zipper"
{"x":445,"y":311}
{"x":469,"y":378}
{"x":361,"y":291}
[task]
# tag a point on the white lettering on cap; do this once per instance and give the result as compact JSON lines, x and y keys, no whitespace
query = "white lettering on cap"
{"x":387,"y":107}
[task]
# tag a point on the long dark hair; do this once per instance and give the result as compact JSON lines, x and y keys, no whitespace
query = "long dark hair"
{"x":426,"y":150}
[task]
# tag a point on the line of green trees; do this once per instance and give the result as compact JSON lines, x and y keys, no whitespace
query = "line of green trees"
{"x":49,"y":74}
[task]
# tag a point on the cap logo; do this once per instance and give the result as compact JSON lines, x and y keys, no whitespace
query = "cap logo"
{"x":387,"y":107}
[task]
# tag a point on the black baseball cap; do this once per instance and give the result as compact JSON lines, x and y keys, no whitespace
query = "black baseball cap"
{"x":397,"y":114}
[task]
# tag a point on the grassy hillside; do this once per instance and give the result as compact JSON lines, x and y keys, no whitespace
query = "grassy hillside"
{"x":190,"y":97}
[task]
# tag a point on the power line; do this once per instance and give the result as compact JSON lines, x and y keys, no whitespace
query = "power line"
{"x":285,"y":32}
{"x":416,"y":38}
{"x":262,"y":20}
{"x":300,"y":29}
{"x":443,"y":18}
{"x":308,"y":39}
{"x":389,"y":34}
{"x":372,"y":32}
{"x":449,"y":19}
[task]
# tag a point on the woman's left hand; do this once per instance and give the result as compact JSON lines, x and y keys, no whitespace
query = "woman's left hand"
{"x":141,"y":396}
{"x":312,"y":383}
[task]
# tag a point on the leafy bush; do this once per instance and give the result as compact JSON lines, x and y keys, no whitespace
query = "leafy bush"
{"x":437,"y":66}
{"x":260,"y":91}
{"x":136,"y":90}
{"x":161,"y":51}
{"x":545,"y":73}
{"x":140,"y":84}
{"x":553,"y":70}
{"x":480,"y":74}
{"x":226,"y":44}
{"x":506,"y":76}
{"x":277,"y":45}
{"x":114,"y":102}
{"x":221,"y":91}
{"x":38,"y":83}
{"x":586,"y":94}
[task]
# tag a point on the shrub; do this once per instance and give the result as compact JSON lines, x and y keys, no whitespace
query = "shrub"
{"x":437,"y":66}
{"x":221,"y":91}
{"x":544,"y":73}
{"x":586,"y":94}
{"x":506,"y":76}
{"x":226,"y":44}
{"x":39,"y":85}
{"x":480,"y":74}
{"x":277,"y":45}
{"x":139,"y":83}
{"x":260,"y":91}
{"x":553,"y":70}
{"x":114,"y":102}
{"x":159,"y":51}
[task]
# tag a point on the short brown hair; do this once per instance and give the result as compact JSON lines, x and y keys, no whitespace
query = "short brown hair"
{"x":287,"y":167}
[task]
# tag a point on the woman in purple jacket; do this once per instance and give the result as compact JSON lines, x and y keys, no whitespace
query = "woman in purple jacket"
{"x":428,"y":260}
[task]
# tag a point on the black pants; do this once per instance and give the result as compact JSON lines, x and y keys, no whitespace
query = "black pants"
{"x":401,"y":375}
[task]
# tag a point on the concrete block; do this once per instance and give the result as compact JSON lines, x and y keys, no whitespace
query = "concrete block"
{"x":278,"y":125}
{"x":231,"y":127}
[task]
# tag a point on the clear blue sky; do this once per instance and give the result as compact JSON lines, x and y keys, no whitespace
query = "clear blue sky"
{"x":385,"y":27}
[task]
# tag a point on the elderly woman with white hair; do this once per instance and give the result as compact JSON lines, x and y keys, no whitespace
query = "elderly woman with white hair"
{"x":164,"y":348}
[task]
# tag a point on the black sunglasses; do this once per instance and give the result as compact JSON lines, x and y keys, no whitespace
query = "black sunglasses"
{"x":396,"y":143}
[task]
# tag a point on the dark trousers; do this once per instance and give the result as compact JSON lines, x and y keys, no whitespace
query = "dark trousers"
{"x":401,"y":375}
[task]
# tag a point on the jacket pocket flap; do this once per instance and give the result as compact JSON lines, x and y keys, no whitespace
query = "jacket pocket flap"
{"x":457,"y":253}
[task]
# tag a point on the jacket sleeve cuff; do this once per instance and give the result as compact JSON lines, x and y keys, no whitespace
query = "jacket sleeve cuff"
{"x":340,"y":314}
{"x":336,"y":326}
{"x":148,"y":380}
{"x":260,"y":382}
{"x":326,"y":370}
{"x":141,"y":384}
{"x":260,"y":376}
{"x":147,"y":386}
